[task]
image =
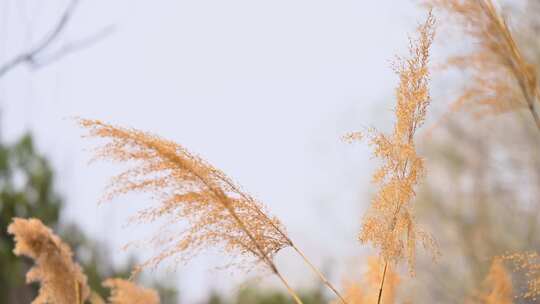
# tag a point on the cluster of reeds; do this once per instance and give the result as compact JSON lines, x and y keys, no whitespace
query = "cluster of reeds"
{"x":220,"y":214}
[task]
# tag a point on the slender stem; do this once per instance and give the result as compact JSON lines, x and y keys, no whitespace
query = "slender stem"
{"x":535,"y":116}
{"x":535,"y":98}
{"x":78,"y":297}
{"x":289,"y":289}
{"x":284,"y":235}
{"x":517,"y":63}
{"x":264,"y":256}
{"x":319,"y":274}
{"x":382,"y":283}
{"x":225,"y":201}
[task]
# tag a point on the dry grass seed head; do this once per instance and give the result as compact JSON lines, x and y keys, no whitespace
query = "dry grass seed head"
{"x":390,"y":225}
{"x":61,"y":279}
{"x":502,"y":79}
{"x":188,"y":189}
{"x":127,"y":292}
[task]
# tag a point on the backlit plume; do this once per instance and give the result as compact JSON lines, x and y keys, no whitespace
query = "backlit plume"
{"x":61,"y":279}
{"x":389,"y":224}
{"x":189,"y":190}
{"x":502,"y":79}
{"x":127,"y":292}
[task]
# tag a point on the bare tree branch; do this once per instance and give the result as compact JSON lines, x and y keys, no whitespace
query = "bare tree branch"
{"x":35,"y":56}
{"x":72,"y":47}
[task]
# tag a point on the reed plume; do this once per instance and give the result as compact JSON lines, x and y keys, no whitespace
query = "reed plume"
{"x":390,"y":225}
{"x":502,"y":78}
{"x":61,"y":279}
{"x":127,"y":292}
{"x":218,"y":212}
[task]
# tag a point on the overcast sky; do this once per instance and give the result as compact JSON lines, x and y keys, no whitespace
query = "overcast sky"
{"x":261,"y":89}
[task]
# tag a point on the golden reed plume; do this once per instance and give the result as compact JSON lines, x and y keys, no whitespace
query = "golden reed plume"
{"x":127,"y":292}
{"x":502,"y":79}
{"x":389,"y":224}
{"x":218,"y":212}
{"x":61,"y":279}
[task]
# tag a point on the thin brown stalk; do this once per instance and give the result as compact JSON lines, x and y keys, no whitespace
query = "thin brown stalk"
{"x":502,"y":78}
{"x":382,"y":283}
{"x":266,"y":259}
{"x":289,"y":289}
{"x":260,"y":251}
{"x":319,"y":274}
{"x":78,"y":292}
{"x":518,"y":65}
{"x":532,"y":108}
{"x":285,"y":236}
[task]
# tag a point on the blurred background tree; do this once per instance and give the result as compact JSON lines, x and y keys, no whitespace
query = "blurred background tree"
{"x":27,"y":190}
{"x":482,"y":193}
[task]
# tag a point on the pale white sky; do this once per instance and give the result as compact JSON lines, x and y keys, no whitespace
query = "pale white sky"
{"x":261,"y":89}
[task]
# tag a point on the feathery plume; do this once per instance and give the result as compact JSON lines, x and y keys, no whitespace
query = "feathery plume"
{"x":127,"y":292}
{"x":218,"y":212}
{"x":502,"y":79}
{"x":390,"y":225}
{"x":61,"y":279}
{"x":188,"y":188}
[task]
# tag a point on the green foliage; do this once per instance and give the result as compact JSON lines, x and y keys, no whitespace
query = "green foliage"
{"x":255,"y":295}
{"x":27,"y":190}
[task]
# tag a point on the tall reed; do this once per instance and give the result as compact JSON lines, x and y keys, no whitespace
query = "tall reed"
{"x":390,"y":225}
{"x":218,"y":212}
